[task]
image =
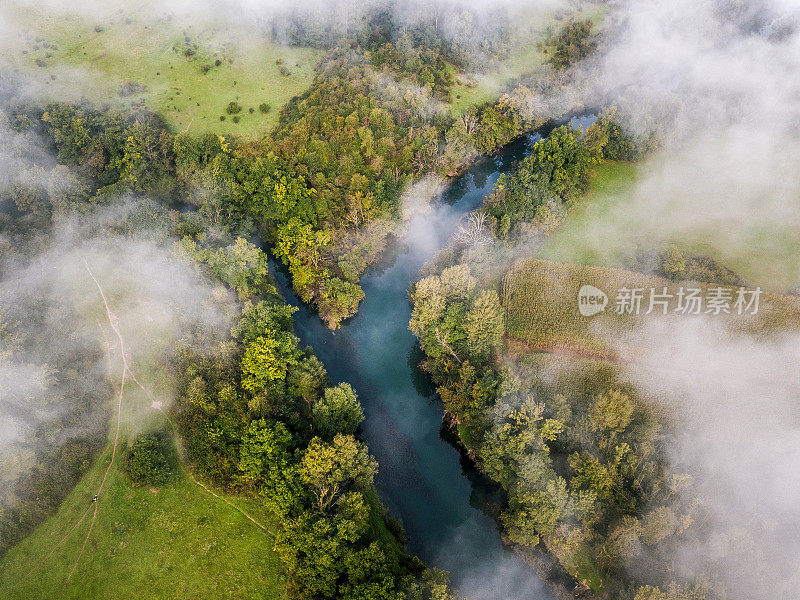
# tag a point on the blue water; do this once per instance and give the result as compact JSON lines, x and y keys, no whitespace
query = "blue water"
{"x":421,"y":479}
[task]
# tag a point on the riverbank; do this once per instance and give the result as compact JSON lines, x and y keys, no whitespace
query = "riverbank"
{"x":422,"y":480}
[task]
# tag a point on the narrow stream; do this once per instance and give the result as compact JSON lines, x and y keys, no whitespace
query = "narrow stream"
{"x":421,"y":478}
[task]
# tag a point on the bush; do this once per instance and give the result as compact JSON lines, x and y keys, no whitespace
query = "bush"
{"x":150,"y":459}
{"x":263,"y":108}
{"x":233,"y":108}
{"x":337,"y":412}
{"x":235,"y":119}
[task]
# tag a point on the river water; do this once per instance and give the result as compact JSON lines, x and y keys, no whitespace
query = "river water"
{"x":421,"y":479}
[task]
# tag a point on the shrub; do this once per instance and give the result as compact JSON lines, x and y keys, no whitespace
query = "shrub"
{"x":264,"y":108}
{"x":150,"y":459}
{"x":235,"y":119}
{"x":233,"y":108}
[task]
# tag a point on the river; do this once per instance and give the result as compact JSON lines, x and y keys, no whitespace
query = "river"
{"x":421,"y":478}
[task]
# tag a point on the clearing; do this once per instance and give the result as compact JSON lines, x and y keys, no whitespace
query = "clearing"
{"x":188,"y":72}
{"x":177,"y":541}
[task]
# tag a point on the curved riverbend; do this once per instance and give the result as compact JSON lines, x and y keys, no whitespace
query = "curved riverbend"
{"x":421,"y":478}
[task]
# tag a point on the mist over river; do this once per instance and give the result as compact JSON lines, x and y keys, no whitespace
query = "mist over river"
{"x":421,"y":478}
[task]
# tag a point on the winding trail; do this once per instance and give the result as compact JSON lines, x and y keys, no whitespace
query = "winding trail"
{"x":127,"y":373}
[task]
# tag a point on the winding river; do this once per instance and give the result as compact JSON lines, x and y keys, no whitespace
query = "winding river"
{"x":421,"y":479}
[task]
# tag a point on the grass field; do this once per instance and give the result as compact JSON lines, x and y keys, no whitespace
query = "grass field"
{"x":612,"y":223}
{"x":189,"y":71}
{"x":574,"y":240}
{"x":540,"y":299}
{"x":177,"y":542}
{"x":525,"y":56}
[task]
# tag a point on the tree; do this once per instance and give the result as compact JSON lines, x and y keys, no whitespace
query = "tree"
{"x":266,"y":360}
{"x":611,"y":411}
{"x":333,"y":469}
{"x":266,"y":462}
{"x":262,"y":317}
{"x":150,"y":459}
{"x":484,"y":324}
{"x":536,"y":513}
{"x":648,"y":592}
{"x":338,"y":299}
{"x":337,"y":412}
{"x":573,"y":43}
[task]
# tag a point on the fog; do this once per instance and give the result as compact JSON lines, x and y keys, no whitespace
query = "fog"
{"x":59,"y":358}
{"x":717,"y":81}
{"x":735,"y":428}
{"x":52,"y":311}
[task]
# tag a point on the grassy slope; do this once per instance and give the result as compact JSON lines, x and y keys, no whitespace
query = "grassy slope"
{"x":174,"y":542}
{"x":525,"y":56}
{"x":95,"y":64}
{"x":609,"y":183}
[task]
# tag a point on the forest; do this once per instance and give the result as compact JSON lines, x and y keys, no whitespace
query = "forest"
{"x":535,"y":393}
{"x":290,"y":300}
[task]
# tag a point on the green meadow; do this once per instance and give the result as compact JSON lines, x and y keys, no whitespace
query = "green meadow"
{"x":176,"y":541}
{"x":608,"y":226}
{"x":574,"y":239}
{"x":186,"y":72}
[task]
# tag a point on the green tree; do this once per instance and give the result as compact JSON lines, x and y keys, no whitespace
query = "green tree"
{"x":484,"y":324}
{"x":265,"y":461}
{"x":331,"y":470}
{"x":150,"y":459}
{"x":338,"y":411}
{"x":266,"y":360}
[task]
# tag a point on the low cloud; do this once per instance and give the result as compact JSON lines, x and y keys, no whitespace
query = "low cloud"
{"x":735,"y":428}
{"x":58,"y":352}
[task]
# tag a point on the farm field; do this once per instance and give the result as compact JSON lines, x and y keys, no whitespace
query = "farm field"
{"x":176,"y":541}
{"x":186,"y":72}
{"x":540,"y":299}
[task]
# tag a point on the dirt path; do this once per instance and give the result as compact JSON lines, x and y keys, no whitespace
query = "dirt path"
{"x":126,"y":373}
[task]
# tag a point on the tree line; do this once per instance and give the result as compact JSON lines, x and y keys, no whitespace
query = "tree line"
{"x":577,"y":449}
